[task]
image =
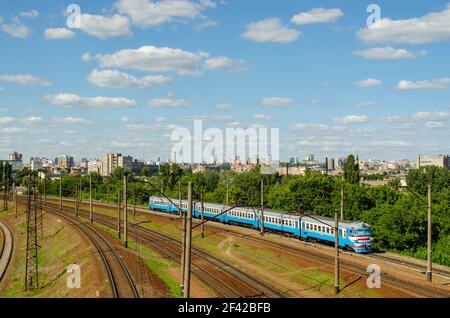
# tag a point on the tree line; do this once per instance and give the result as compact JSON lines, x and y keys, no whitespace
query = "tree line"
{"x":398,"y":218}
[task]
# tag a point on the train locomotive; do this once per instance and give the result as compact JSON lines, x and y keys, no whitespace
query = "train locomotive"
{"x":355,"y":236}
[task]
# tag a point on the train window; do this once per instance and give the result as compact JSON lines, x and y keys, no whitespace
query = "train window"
{"x":315,"y":227}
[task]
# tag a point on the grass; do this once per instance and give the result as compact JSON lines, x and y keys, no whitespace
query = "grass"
{"x":54,"y":255}
{"x":243,"y":256}
{"x":156,"y":263}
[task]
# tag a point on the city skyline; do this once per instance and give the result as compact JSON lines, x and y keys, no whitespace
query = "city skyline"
{"x":315,"y":70}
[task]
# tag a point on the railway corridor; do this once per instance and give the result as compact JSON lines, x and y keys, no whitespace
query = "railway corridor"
{"x":296,"y":269}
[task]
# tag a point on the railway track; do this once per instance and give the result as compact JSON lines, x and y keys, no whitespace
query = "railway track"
{"x":120,"y":279}
{"x":416,"y":288}
{"x":409,"y":264}
{"x":226,"y":280}
{"x":6,"y":248}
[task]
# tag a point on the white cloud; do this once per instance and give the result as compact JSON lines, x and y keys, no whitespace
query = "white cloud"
{"x":370,"y":82}
{"x":435,"y":124}
{"x":420,"y":116}
{"x":30,"y":14}
{"x":262,"y":117}
{"x":365,"y":104}
{"x":68,"y":100}
{"x":225,"y":63}
{"x":223,"y":106}
{"x":270,"y":30}
{"x":31,"y":120}
{"x":388,"y":53}
{"x":317,"y":15}
{"x":58,"y":34}
{"x":146,"y":13}
{"x":390,"y":143}
{"x":160,"y":119}
{"x":7,"y":120}
{"x":209,"y":118}
{"x":434,"y":84}
{"x":105,"y":27}
{"x":24,"y":79}
{"x":276,"y":101}
{"x":168,"y":102}
{"x":351,"y":119}
{"x":157,"y":79}
{"x":152,"y":59}
{"x":16,"y":29}
{"x":13,"y":130}
{"x":116,"y":79}
{"x":430,"y":28}
{"x":71,"y":121}
{"x":206,"y":24}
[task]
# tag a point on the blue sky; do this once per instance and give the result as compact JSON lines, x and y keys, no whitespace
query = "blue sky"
{"x":138,"y":68}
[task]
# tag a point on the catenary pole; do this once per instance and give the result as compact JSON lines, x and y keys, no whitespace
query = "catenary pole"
{"x":430,"y":237}
{"x":125,"y":210}
{"x":336,"y":259}
{"x":202,"y":216}
{"x":91,"y":212}
{"x":262,"y":207}
{"x":187,"y":267}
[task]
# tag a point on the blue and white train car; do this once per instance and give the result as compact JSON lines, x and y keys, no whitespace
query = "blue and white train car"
{"x":352,"y":235}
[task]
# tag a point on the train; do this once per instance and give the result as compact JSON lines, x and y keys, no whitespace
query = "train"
{"x":354,"y":236}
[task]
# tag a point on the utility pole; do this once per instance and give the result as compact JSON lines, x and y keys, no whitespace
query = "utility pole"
{"x":15,"y":200}
{"x":342,"y":199}
{"x":32,"y":245}
{"x":202,"y":216}
{"x":45,"y":189}
{"x":227,"y":190}
{"x":6,"y":187}
{"x":4,"y":170}
{"x":77,"y":202}
{"x":430,"y":242}
{"x":336,"y":259}
{"x":179,"y":198}
{"x":183,"y":249}
{"x":262,"y":207}
{"x":118,"y":213}
{"x":125,"y":210}
{"x":134,"y":199}
{"x":91,"y":214}
{"x":187,"y":267}
{"x":81,"y":193}
{"x":60,"y":192}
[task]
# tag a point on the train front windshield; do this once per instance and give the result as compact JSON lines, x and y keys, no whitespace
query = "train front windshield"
{"x":361,"y":232}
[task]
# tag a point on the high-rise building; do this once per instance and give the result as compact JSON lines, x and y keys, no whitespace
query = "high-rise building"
{"x":15,"y":160}
{"x":331,"y":164}
{"x":114,"y":160}
{"x":35,"y":164}
{"x":15,"y":156}
{"x":438,"y":161}
{"x":66,"y":161}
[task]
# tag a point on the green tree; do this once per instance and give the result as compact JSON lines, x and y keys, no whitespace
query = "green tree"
{"x":351,"y":170}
